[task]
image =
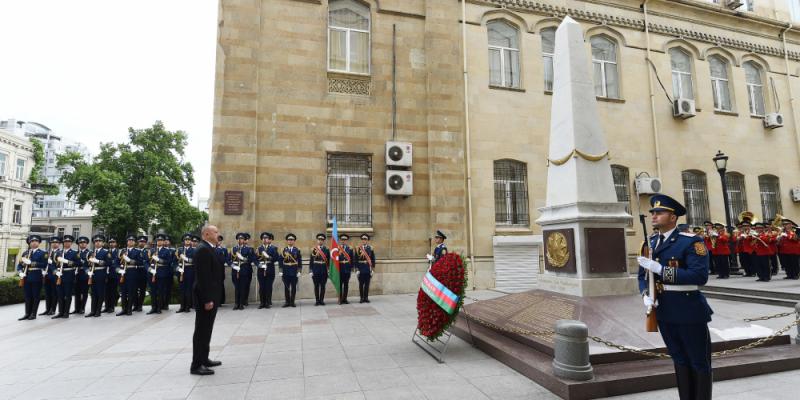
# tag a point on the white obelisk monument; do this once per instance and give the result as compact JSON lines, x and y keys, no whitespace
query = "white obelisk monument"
{"x":583,"y":224}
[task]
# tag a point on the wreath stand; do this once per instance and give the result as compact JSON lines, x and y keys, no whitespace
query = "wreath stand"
{"x":435,"y":348}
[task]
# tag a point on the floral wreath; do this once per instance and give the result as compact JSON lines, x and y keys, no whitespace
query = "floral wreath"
{"x":441,"y":296}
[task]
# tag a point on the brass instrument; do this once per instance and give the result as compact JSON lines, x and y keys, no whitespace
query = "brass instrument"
{"x":22,"y":281}
{"x":123,"y":263}
{"x":155,"y":268}
{"x":749,"y":216}
{"x":60,"y":269}
{"x":91,"y":267}
{"x":238,"y":262}
{"x":183,"y":263}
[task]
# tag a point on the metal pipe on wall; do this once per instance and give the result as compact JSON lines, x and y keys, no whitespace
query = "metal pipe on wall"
{"x":470,"y":236}
{"x":652,"y":95}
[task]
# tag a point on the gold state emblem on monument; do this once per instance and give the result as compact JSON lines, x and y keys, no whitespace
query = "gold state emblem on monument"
{"x":557,"y":251}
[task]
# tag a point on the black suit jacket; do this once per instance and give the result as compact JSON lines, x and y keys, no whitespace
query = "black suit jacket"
{"x":208,"y":280}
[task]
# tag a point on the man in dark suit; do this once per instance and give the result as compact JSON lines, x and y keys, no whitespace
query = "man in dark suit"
{"x":207,"y":291}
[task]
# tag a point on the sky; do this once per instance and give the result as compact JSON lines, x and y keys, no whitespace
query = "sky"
{"x":90,"y":69}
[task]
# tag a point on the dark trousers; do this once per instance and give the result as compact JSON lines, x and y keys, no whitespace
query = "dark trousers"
{"x":320,"y":279}
{"x":141,"y":288}
{"x":363,"y":285}
{"x":64,"y":292}
{"x":241,"y":285}
{"x":223,"y":300}
{"x":98,"y":291}
{"x":791,"y":265}
{"x":131,"y":291}
{"x":761,"y":264}
{"x":167,"y":292}
{"x":201,"y":340}
{"x":723,"y":266}
{"x":745,"y":260}
{"x":773,"y":261}
{"x":289,"y":287}
{"x":344,"y":287}
{"x":187,"y":298}
{"x":33,"y":292}
{"x":112,"y":293}
{"x":712,"y":264}
{"x":689,"y":345}
{"x":158,"y":293}
{"x":49,"y":286}
{"x":266,"y":278}
{"x":81,"y":291}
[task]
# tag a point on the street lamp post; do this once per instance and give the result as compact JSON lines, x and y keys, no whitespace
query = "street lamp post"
{"x":721,"y":161}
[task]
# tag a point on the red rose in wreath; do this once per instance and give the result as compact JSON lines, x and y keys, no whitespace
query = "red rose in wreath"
{"x":432,"y":319}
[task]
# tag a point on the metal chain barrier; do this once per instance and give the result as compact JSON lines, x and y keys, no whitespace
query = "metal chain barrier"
{"x":550,"y":333}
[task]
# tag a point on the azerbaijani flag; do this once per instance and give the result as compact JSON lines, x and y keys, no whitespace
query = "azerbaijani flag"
{"x":439,"y":293}
{"x":333,"y":269}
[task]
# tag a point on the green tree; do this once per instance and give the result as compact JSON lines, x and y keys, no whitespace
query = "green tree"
{"x":37,"y":178}
{"x":142,"y":184}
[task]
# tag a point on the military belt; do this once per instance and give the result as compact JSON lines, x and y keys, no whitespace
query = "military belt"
{"x":680,"y":288}
{"x":67,"y":269}
{"x":161,"y":265}
{"x":290,"y":264}
{"x":188,"y":265}
{"x":34,"y":269}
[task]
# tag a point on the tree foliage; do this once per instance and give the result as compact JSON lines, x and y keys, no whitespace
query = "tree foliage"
{"x":142,"y":184}
{"x":37,"y":179}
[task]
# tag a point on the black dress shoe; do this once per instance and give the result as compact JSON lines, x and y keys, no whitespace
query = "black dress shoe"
{"x":294,"y":305}
{"x":345,"y":302}
{"x":32,"y":317}
{"x":201,"y":370}
{"x":121,"y":313}
{"x":23,"y":318}
{"x":211,"y":363}
{"x":268,"y":306}
{"x":151,"y":312}
{"x":58,"y":316}
{"x":260,"y":306}
{"x":366,"y":300}
{"x":285,"y":305}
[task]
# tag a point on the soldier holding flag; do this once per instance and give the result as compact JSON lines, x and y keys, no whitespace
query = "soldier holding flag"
{"x":319,"y":269}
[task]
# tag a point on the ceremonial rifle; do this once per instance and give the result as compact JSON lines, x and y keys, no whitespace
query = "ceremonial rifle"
{"x":651,"y":324}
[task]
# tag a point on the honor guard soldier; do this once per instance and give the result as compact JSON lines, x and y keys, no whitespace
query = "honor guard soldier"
{"x":746,"y":251}
{"x":67,"y":260}
{"x":82,"y":277}
{"x":161,"y":275}
{"x":346,"y":259}
{"x":186,"y":273}
{"x":680,"y":266}
{"x":128,"y":276}
{"x":143,"y":265}
{"x":112,"y":285}
{"x":760,"y":242}
{"x":291,"y":263}
{"x":243,"y":258}
{"x":30,"y":267}
{"x":168,"y":280}
{"x":440,"y":250}
{"x":225,"y":259}
{"x":790,"y":249}
{"x":98,"y":274}
{"x":267,"y":257}
{"x":49,"y":283}
{"x":721,"y":252}
{"x":318,"y":268}
{"x":365,"y":263}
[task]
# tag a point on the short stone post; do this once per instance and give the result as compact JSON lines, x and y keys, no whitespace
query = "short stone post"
{"x":572,"y":351}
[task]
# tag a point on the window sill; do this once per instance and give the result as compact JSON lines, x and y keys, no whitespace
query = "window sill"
{"x":350,"y":229}
{"x":349,"y":75}
{"x":548,"y":92}
{"x":511,"y":89}
{"x":723,"y":112}
{"x":512,"y":230}
{"x":610,"y":99}
{"x":756,"y":116}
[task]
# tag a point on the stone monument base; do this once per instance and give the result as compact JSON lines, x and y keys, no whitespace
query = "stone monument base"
{"x":587,"y":287}
{"x":495,"y":326}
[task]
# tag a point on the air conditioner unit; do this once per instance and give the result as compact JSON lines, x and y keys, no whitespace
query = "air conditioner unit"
{"x":646,"y":185}
{"x":773,"y":120}
{"x":732,"y":4}
{"x":683,"y":108}
{"x":796,"y":194}
{"x":399,"y":183}
{"x":398,"y":154}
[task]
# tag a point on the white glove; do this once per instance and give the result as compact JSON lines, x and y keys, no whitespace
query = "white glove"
{"x":180,"y":270}
{"x":262,"y":265}
{"x":714,"y":234}
{"x":90,"y":273}
{"x":156,"y":259}
{"x":152,"y":270}
{"x":126,"y":258}
{"x":358,"y":272}
{"x":240,"y":256}
{"x":184,"y":258}
{"x":236,"y":268}
{"x":298,"y":274}
{"x":429,"y":257}
{"x":280,"y":273}
{"x":650,"y":265}
{"x":21,"y":274}
{"x":25,"y":261}
{"x":49,"y":260}
{"x":648,"y":302}
{"x":122,"y":271}
{"x":94,"y":260}
{"x":62,"y":260}
{"x":784,"y":234}
{"x":311,"y":274}
{"x":371,"y":272}
{"x":58,"y":273}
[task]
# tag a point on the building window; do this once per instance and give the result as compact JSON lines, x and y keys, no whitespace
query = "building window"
{"x":503,"y":54}
{"x":510,"y":193}
{"x":76,"y":231}
{"x":60,"y":232}
{"x":548,"y":49}
{"x":604,"y":58}
{"x":681,"y":64}
{"x":11,"y":260}
{"x":348,"y":36}
{"x":737,"y":195}
{"x":622,"y":186}
{"x":695,"y":197}
{"x":20,"y":169}
{"x":3,"y":160}
{"x":1,"y":211}
{"x":17,"y":217}
{"x":770,"y":190}
{"x":350,"y":189}
{"x":755,"y":88}
{"x":719,"y":84}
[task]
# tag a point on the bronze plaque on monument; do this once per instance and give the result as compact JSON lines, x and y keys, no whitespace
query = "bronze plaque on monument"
{"x":605,"y":249}
{"x":234,"y":202}
{"x":559,"y":250}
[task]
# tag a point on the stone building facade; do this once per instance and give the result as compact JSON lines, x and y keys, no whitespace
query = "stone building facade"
{"x":305,"y":97}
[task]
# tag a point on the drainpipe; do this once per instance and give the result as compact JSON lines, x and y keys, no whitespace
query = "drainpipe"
{"x":789,"y":85}
{"x":470,"y":236}
{"x":652,"y":95}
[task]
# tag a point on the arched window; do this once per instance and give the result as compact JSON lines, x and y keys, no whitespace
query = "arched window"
{"x":755,"y":88}
{"x":604,"y":59}
{"x":719,"y":84}
{"x":770,"y":189}
{"x":681,"y":64}
{"x":548,"y":49}
{"x":503,"y":54}
{"x":510,"y":193}
{"x":737,"y":195}
{"x":695,"y":197}
{"x":348,"y":36}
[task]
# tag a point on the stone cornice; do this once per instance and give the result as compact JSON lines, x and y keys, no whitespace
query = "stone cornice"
{"x":638,"y":24}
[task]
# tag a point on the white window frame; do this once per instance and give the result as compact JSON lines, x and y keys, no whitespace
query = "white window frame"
{"x":20,"y":175}
{"x":603,"y":64}
{"x":751,"y":87}
{"x":2,"y":207}
{"x":502,"y":50}
{"x":549,"y":58}
{"x":16,"y":218}
{"x":347,"y":46}
{"x":4,"y":164}
{"x":715,"y":85}
{"x":681,"y":74}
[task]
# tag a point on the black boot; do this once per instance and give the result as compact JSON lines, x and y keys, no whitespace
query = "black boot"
{"x":124,"y":310}
{"x":27,"y":311}
{"x":60,"y":306}
{"x":34,"y":309}
{"x":683,"y":376}
{"x":47,"y":302}
{"x":703,"y":382}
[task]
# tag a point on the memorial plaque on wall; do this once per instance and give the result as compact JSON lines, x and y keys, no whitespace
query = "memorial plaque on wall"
{"x":234,"y":202}
{"x":605,"y":249}
{"x":559,"y":250}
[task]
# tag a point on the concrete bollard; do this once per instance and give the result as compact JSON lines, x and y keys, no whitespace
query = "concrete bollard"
{"x":572,"y":351}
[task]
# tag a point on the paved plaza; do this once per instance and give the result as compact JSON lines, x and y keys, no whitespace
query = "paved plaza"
{"x":359,"y":351}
